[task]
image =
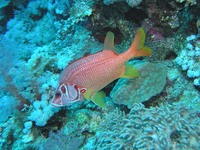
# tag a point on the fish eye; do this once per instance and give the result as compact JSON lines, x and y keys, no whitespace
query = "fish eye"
{"x":57,"y":95}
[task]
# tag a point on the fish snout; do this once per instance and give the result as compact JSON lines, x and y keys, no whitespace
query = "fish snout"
{"x":56,"y":100}
{"x":67,"y":94}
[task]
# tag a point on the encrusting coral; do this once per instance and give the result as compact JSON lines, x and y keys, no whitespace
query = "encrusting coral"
{"x":128,"y":92}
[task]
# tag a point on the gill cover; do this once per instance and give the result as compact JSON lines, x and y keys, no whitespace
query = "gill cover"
{"x":67,"y":94}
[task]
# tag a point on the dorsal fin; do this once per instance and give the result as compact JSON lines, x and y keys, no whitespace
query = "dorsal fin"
{"x":109,"y":41}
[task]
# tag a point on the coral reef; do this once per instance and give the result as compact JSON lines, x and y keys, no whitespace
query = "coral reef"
{"x":60,"y":141}
{"x":131,"y":3}
{"x":128,"y":92}
{"x":187,"y":2}
{"x":40,"y":38}
{"x":164,"y":127}
{"x":7,"y":106}
{"x":4,"y":3}
{"x":189,"y":58}
{"x":42,"y":111}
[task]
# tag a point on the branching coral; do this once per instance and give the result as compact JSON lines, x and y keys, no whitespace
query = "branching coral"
{"x":42,"y":111}
{"x":189,"y":58}
{"x":78,"y":13}
{"x":31,"y":31}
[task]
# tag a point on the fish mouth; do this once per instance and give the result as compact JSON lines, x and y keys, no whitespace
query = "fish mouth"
{"x":57,"y":102}
{"x":56,"y":105}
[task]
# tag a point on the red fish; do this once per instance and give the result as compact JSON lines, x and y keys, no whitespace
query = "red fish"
{"x":85,"y":77}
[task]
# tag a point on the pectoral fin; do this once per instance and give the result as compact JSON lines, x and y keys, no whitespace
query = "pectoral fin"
{"x":87,"y":95}
{"x":130,"y":72}
{"x":98,"y":99}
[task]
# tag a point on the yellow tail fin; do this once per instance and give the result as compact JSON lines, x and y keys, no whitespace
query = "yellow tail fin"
{"x":137,"y":47}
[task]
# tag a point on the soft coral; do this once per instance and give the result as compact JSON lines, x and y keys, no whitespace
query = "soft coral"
{"x":8,"y":59}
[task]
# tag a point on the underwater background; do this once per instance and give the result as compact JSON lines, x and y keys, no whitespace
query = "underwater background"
{"x":160,"y":110}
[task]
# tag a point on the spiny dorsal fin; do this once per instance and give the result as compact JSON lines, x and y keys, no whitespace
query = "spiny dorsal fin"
{"x":109,"y":41}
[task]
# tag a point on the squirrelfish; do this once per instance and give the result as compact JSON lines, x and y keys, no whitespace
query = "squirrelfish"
{"x":85,"y":77}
